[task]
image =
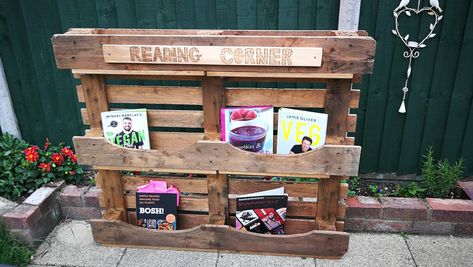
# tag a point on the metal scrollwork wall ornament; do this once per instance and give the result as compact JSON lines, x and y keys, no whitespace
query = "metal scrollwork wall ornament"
{"x":413,"y":46}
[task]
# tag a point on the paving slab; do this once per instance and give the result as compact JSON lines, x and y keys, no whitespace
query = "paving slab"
{"x":157,"y":257}
{"x":441,"y":250}
{"x":72,"y":244}
{"x":250,"y":260}
{"x":368,"y":249}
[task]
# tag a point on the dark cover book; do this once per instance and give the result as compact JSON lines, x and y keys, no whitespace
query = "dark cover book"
{"x":156,"y":210}
{"x":263,"y":212}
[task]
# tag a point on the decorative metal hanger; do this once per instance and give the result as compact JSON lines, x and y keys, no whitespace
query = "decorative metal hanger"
{"x":413,"y":46}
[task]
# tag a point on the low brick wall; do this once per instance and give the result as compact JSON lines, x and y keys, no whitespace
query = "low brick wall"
{"x":32,"y":220}
{"x":409,"y":215}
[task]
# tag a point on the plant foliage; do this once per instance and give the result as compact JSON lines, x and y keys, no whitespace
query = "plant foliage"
{"x":11,"y":251}
{"x":24,"y":168}
{"x":439,"y":178}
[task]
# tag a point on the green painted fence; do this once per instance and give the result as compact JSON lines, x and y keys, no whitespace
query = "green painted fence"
{"x":439,"y":113}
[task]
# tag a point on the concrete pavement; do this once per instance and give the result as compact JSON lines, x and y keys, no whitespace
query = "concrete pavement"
{"x":71,"y":244}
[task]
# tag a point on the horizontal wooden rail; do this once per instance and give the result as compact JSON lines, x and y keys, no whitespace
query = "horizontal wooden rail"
{"x":184,"y":95}
{"x":325,"y":244}
{"x":212,"y":156}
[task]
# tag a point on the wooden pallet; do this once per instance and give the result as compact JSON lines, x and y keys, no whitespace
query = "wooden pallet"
{"x":207,"y":210}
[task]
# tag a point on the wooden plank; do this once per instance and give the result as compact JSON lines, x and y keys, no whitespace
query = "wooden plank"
{"x":341,"y":54}
{"x":112,"y":190}
{"x":327,"y":203}
{"x":186,"y":203}
{"x":166,"y":118}
{"x":337,"y":101}
{"x":184,"y":184}
{"x":277,"y":75}
{"x":114,"y":214}
{"x":96,"y":100}
{"x":354,"y":98}
{"x":206,"y":156}
{"x":213,"y":55}
{"x":184,"y":221}
{"x":222,"y":238}
{"x":180,"y":140}
{"x":217,"y":185}
{"x":351,"y":122}
{"x":275,"y":97}
{"x":200,"y":32}
{"x":175,"y":95}
{"x":293,"y":189}
{"x":213,"y":99}
{"x":300,"y":175}
{"x":138,"y":72}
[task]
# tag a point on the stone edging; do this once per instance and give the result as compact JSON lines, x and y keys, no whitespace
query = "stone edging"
{"x":409,"y":215}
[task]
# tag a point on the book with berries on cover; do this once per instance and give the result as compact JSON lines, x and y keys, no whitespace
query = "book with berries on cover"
{"x":249,"y":128}
{"x":262,"y":212}
{"x":126,"y":128}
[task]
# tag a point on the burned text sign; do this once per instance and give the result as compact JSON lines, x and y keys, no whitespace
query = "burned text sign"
{"x":214,"y":55}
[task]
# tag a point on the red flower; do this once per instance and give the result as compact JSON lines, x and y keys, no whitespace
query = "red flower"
{"x":46,"y":144}
{"x":72,"y":172}
{"x":57,"y":158}
{"x":31,"y":156}
{"x":74,"y":158}
{"x":67,"y":152}
{"x":30,"y":149}
{"x":45,"y":166}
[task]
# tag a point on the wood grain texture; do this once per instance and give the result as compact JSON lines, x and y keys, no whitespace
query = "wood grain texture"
{"x":275,"y":97}
{"x":211,"y":156}
{"x":213,"y":99}
{"x":185,"y":184}
{"x":217,"y":185}
{"x":165,"y":118}
{"x":321,"y":244}
{"x":95,"y":98}
{"x":341,"y":54}
{"x":293,"y":189}
{"x":112,"y":190}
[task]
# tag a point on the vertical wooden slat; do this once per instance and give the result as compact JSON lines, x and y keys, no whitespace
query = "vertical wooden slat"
{"x":217,"y":186}
{"x":112,"y":191}
{"x":213,"y":96}
{"x":96,"y":100}
{"x":337,"y":102}
{"x":213,"y":93}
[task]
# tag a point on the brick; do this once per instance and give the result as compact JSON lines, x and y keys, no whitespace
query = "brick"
{"x":72,"y":196}
{"x":21,"y":217}
{"x":44,"y":197}
{"x":6,"y":206}
{"x":398,"y":208}
{"x":354,"y":225}
{"x":451,"y":210}
{"x":81,"y":213}
{"x":463,"y":229}
{"x":428,"y":227}
{"x":363,"y":207}
{"x":467,"y":187}
{"x":91,"y":198}
{"x":387,"y":226}
{"x":41,"y":229}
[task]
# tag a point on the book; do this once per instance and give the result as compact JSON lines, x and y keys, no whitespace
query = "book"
{"x":249,"y":128}
{"x":262,"y":212}
{"x":126,"y":128}
{"x":156,"y":210}
{"x":300,"y":131}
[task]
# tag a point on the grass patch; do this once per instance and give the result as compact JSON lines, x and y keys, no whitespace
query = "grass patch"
{"x":11,"y":251}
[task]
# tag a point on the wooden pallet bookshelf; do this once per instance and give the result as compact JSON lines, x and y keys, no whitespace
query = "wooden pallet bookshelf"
{"x":206,"y":214}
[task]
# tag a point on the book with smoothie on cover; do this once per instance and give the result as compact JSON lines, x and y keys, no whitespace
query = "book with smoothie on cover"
{"x":300,"y":131}
{"x":126,"y":128}
{"x":249,"y":128}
